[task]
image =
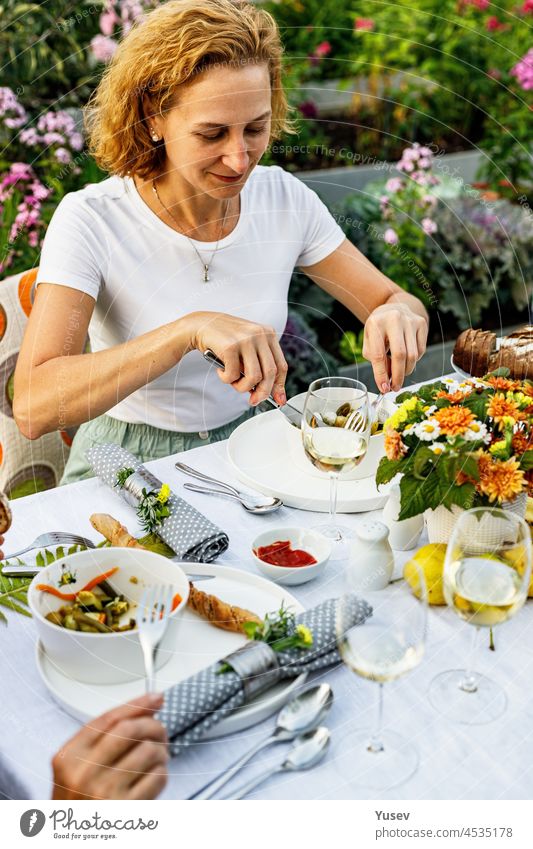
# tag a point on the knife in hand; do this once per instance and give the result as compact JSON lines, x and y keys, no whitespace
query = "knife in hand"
{"x":293,"y":416}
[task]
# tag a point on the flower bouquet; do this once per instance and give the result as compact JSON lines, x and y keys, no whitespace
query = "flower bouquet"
{"x":459,"y":445}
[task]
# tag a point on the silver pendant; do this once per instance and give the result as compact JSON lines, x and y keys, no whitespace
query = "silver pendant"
{"x":206,"y":274}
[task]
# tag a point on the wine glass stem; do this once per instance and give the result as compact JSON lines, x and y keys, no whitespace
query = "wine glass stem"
{"x":375,"y":744}
{"x":469,"y":682}
{"x":333,"y":478}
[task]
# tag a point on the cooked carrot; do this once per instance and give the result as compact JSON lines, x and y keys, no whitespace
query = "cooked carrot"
{"x":176,"y":601}
{"x":98,"y":580}
{"x":46,"y":588}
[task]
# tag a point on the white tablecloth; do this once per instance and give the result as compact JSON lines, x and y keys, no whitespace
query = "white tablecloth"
{"x":456,"y":762}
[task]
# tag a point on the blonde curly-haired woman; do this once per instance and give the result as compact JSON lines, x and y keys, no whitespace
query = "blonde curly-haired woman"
{"x":189,"y":244}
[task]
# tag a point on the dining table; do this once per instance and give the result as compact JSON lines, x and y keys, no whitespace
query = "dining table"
{"x":492,"y":761}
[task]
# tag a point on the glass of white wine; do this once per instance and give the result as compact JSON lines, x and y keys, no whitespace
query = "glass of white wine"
{"x":389,"y":644}
{"x":335,"y":433}
{"x":486,"y":580}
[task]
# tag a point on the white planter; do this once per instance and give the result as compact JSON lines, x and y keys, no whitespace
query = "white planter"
{"x":441,"y":522}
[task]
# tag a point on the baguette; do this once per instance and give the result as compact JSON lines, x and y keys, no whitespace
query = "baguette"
{"x":226,"y":616}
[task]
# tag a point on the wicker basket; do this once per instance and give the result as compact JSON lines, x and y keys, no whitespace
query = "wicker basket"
{"x":441,"y":522}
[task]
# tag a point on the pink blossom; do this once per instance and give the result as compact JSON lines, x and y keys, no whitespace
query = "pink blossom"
{"x":429,"y":226}
{"x":528,"y":6}
{"x":29,"y":136}
{"x":103,"y":48}
{"x":33,"y":239}
{"x":481,"y":4}
{"x":384,"y":199}
{"x":108,"y":19}
{"x":426,"y":151}
{"x":420,"y":177}
{"x":429,"y":200}
{"x":62,"y":155}
{"x":523,"y":70}
{"x":494,"y":74}
{"x":322,"y":49}
{"x":395,"y":184}
{"x":493,"y":24}
{"x":53,"y":138}
{"x":405,"y":165}
{"x":76,"y":141}
{"x":390,"y":236}
{"x":424,"y":162}
{"x":364,"y":24}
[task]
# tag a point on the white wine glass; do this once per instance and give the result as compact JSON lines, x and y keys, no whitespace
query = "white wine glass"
{"x":335,"y":433}
{"x":390,"y":643}
{"x":486,"y":578}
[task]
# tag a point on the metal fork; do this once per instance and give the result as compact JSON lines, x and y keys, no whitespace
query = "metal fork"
{"x":153,"y":614}
{"x":53,"y":538}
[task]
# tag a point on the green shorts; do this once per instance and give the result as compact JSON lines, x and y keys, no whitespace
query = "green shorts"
{"x":143,"y":440}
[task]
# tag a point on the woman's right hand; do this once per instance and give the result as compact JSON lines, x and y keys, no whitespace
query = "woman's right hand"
{"x":245,"y":348}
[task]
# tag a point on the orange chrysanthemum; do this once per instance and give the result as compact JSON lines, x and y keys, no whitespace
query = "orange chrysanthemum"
{"x":503,"y":383}
{"x":522,"y":442}
{"x":453,"y":398}
{"x":501,"y":406}
{"x":499,"y":480}
{"x":454,"y":420}
{"x":527,"y":388}
{"x":394,"y":447}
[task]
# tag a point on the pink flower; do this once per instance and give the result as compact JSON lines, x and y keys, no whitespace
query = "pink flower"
{"x":523,"y":70}
{"x":429,"y":226}
{"x":322,"y":49}
{"x":395,"y":184}
{"x":528,"y":6}
{"x":429,"y":200}
{"x":103,"y":48}
{"x":494,"y":74}
{"x":62,"y":155}
{"x":390,"y":236}
{"x":108,"y":19}
{"x":364,"y":24}
{"x":384,"y":200}
{"x":308,"y":109}
{"x":493,"y":24}
{"x":481,"y":4}
{"x":33,"y":239}
{"x":76,"y":141}
{"x":405,"y":165}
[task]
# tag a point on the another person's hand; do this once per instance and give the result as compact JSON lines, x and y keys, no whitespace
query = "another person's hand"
{"x":122,"y":754}
{"x":394,"y":340}
{"x":244,"y":347}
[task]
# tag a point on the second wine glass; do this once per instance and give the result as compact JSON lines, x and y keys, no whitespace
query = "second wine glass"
{"x":335,"y":433}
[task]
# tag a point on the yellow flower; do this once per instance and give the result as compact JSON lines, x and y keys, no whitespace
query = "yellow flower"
{"x":496,"y":447}
{"x":402,"y":413}
{"x":305,"y":634}
{"x":503,"y":410}
{"x":163,"y":494}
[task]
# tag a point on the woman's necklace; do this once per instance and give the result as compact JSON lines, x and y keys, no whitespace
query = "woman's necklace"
{"x":206,"y":265}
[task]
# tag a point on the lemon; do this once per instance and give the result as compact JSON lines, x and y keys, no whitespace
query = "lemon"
{"x":517,"y":558}
{"x":430,"y":560}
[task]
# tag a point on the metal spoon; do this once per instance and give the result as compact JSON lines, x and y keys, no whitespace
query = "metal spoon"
{"x":307,"y":752}
{"x":301,"y":714}
{"x":265,"y":505}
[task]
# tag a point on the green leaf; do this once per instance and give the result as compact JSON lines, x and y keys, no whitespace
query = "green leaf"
{"x":39,"y":560}
{"x":60,"y":552}
{"x":387,"y":469}
{"x":3,"y":618}
{"x":526,"y":461}
{"x":412,"y":499}
{"x":477,"y":403}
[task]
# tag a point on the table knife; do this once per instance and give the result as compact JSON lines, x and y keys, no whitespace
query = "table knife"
{"x":293,"y":416}
{"x":22,"y":571}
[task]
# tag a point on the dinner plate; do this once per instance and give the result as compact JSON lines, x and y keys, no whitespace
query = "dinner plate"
{"x":200,"y":644}
{"x":267,"y":455}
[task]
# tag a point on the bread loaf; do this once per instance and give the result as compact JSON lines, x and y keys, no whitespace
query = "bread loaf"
{"x":475,"y":352}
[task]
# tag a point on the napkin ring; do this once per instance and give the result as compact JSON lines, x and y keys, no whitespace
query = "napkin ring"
{"x":256,"y":664}
{"x":132,"y":491}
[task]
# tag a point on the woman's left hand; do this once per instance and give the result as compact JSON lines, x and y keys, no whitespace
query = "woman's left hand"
{"x":394,"y":340}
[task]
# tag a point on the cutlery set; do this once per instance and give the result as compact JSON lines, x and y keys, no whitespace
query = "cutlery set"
{"x":297,"y":722}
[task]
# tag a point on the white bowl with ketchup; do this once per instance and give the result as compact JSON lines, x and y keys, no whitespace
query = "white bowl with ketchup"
{"x":291,"y":556}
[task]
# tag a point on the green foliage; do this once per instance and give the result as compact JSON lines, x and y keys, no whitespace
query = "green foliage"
{"x":44,"y":51}
{"x":14,"y":591}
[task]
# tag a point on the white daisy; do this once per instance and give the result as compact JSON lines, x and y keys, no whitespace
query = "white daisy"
{"x":431,"y":410}
{"x":476,"y":431}
{"x":437,"y":448}
{"x":427,"y":430}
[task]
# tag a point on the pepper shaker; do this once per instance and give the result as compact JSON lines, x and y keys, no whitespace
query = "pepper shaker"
{"x":371,"y":561}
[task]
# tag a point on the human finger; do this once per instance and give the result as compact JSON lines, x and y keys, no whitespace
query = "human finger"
{"x":149,"y":786}
{"x":268,"y":370}
{"x":124,"y":736}
{"x":144,"y":705}
{"x":398,"y":353}
{"x":411,"y":349}
{"x":141,"y":760}
{"x":375,"y":351}
{"x":278,"y":387}
{"x":251,"y":367}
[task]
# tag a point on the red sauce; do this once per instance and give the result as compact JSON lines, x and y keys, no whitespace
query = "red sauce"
{"x":281,"y":554}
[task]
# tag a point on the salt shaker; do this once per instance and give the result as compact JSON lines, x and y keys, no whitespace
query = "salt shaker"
{"x":403,"y":535}
{"x":371,"y":561}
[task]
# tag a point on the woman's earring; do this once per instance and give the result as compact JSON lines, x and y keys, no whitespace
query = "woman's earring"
{"x":155,"y":137}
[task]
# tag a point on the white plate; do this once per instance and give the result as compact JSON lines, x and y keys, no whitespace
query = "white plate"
{"x":267,"y":455}
{"x":200,"y":645}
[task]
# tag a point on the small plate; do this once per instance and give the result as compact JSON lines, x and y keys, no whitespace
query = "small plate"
{"x":85,"y":701}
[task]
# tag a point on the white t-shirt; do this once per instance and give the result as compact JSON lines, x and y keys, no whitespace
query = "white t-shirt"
{"x":104,"y":240}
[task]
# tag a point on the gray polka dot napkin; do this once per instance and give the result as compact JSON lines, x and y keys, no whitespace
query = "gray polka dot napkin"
{"x":192,"y":707}
{"x":188,"y":533}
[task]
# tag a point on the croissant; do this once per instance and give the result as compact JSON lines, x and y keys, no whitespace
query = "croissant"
{"x":210,"y":607}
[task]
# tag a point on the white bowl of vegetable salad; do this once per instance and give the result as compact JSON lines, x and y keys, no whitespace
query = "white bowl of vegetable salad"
{"x":85,"y":608}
